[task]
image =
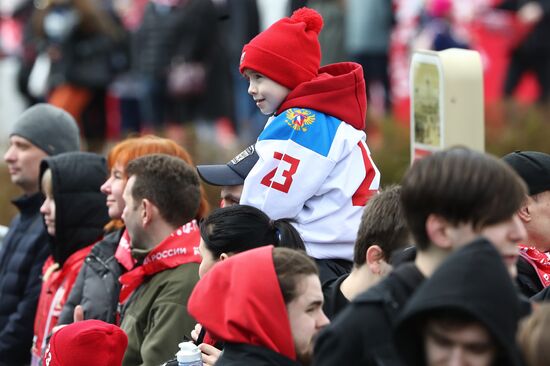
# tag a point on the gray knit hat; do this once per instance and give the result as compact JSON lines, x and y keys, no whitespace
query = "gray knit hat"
{"x":49,"y":128}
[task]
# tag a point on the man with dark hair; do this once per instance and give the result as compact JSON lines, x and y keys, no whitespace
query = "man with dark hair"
{"x":382,"y":231}
{"x":449,"y":199}
{"x":265,"y":304}
{"x":534,"y":261}
{"x":466,"y":313}
{"x":41,"y":131}
{"x":162,"y":197}
{"x":230,"y":176}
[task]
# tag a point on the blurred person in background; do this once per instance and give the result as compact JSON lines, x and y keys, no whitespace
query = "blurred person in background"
{"x":532,"y":53}
{"x":80,"y":46}
{"x":181,"y":63}
{"x":368,"y":26}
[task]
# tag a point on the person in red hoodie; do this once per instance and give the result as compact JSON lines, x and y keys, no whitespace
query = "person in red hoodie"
{"x":265,"y":304}
{"x":314,"y":164}
{"x":74,"y":214}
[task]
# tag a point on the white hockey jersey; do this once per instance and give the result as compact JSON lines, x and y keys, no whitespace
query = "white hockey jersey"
{"x":313,"y":167}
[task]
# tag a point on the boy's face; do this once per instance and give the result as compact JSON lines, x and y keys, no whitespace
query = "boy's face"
{"x":505,"y":236}
{"x":267,"y":94}
{"x":468,"y":345}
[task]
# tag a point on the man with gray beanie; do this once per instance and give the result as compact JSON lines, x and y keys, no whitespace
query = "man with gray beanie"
{"x":534,"y":261}
{"x":42,"y":130}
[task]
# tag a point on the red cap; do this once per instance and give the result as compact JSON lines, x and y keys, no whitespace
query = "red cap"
{"x":288,"y":52}
{"x":87,"y":343}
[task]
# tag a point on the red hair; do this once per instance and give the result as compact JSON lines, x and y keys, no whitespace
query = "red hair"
{"x":135,"y":147}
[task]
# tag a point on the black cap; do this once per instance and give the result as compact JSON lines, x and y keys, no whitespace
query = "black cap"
{"x":533,"y":167}
{"x":231,"y":174}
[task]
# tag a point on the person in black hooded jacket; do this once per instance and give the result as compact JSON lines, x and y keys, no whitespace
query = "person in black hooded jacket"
{"x":442,"y":216}
{"x":467,"y":313}
{"x":74,"y":214}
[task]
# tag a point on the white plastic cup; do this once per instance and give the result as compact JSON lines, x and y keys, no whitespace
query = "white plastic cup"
{"x":189,"y":355}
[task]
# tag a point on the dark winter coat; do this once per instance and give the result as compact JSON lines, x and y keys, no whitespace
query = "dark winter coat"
{"x":22,"y":256}
{"x":246,"y":354}
{"x":474,"y":281}
{"x":362,"y":333}
{"x":528,"y":280}
{"x":97,"y":287}
{"x":335,"y":301}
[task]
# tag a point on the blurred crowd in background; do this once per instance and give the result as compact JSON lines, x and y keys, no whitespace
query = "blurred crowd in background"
{"x":171,"y":66}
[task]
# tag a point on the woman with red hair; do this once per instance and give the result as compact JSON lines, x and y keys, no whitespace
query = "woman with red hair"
{"x":97,"y":287}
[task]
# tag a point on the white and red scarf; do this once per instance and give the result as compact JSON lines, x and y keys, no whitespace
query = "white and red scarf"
{"x":180,"y":247}
{"x":123,"y":252}
{"x":540,"y":262}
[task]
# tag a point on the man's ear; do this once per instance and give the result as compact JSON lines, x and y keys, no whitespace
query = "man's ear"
{"x":224,"y":256}
{"x":437,"y":229}
{"x":524,"y":212}
{"x":374,"y":258}
{"x":148,"y":211}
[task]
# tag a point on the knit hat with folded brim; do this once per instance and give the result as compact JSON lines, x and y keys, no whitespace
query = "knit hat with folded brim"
{"x":533,"y":167}
{"x":87,"y":343}
{"x":287,"y":52}
{"x":49,"y":128}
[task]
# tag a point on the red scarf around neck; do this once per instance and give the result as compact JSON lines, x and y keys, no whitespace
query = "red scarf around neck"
{"x":540,"y":262}
{"x":180,"y":247}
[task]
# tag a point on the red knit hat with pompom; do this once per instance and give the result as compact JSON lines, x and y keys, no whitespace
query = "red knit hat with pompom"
{"x":288,"y":52}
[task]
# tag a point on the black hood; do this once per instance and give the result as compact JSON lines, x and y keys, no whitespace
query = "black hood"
{"x":81,"y":212}
{"x":474,"y":281}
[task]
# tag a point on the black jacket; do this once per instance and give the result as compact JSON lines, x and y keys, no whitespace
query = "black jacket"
{"x":527,"y":279}
{"x":97,"y":287}
{"x":474,"y":281}
{"x":245,"y":354}
{"x":362,"y":333}
{"x":335,"y":301}
{"x":21,"y":259}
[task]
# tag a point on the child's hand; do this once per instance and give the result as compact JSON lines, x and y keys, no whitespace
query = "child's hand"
{"x":210,"y":354}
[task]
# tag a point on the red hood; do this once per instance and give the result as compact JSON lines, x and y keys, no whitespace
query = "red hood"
{"x":338,"y":91}
{"x":240,"y":301}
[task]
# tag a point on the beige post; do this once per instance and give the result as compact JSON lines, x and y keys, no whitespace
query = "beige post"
{"x":446,"y":91}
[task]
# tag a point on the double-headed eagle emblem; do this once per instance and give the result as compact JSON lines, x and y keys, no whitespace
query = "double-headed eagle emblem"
{"x":299,"y":119}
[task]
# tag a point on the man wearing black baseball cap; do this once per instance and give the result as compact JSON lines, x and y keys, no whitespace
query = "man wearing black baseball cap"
{"x":534,"y":261}
{"x":230,"y":176}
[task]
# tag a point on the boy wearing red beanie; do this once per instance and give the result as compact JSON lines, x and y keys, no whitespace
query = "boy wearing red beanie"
{"x":314,"y":164}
